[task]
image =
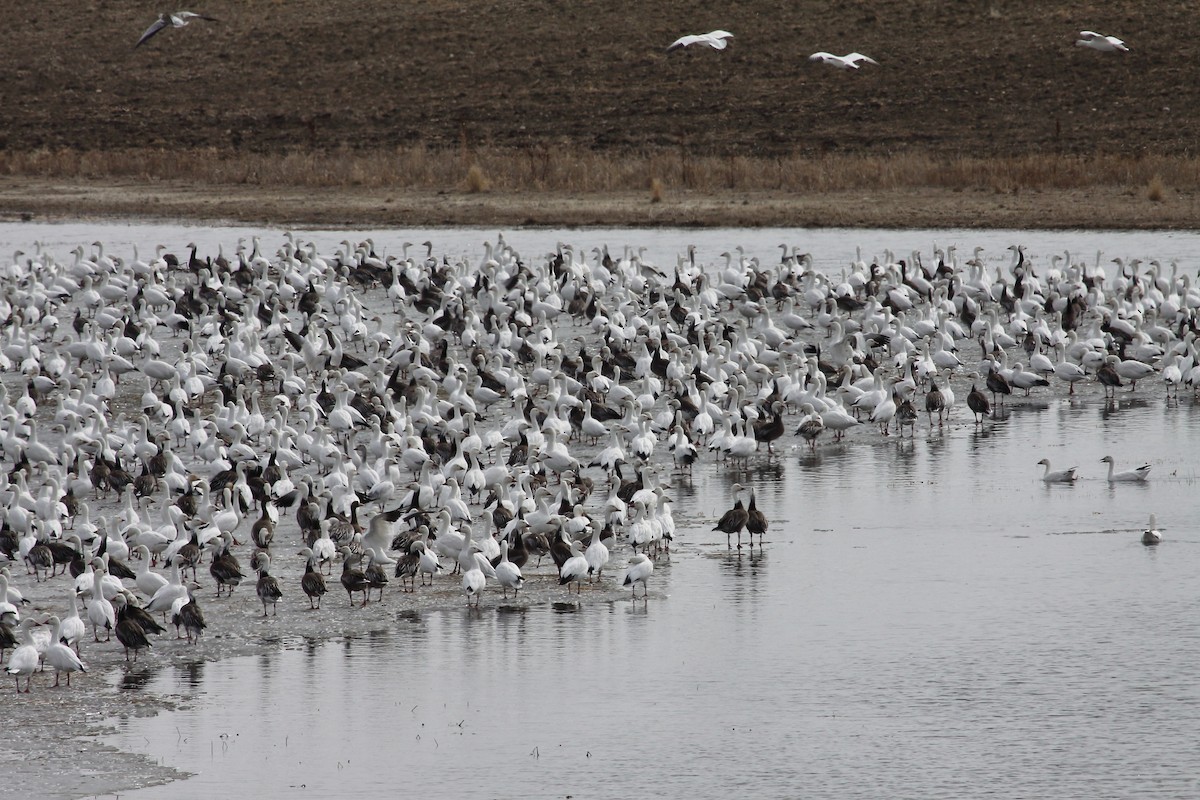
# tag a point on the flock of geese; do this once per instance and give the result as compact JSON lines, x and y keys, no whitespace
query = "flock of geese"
{"x":719,"y":40}
{"x":441,"y":422}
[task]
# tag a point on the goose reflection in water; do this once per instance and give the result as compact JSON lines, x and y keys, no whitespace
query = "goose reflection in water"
{"x":137,"y":678}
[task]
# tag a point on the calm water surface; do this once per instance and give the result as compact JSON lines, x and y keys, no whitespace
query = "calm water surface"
{"x":925,"y":620}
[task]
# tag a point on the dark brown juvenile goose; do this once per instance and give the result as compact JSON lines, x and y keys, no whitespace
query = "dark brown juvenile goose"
{"x":267,"y":587}
{"x":756,"y":521}
{"x":312,"y":582}
{"x":978,"y":403}
{"x":130,"y":634}
{"x":353,"y":579}
{"x":934,"y":401}
{"x":225,"y":569}
{"x":733,"y":520}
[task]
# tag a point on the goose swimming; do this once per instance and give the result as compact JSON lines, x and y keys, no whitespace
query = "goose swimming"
{"x":58,"y":655}
{"x":639,"y":571}
{"x":1152,"y":535}
{"x":24,"y":660}
{"x":1137,"y":475}
{"x":1057,"y":476}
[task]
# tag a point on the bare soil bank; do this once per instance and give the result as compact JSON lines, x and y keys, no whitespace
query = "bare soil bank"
{"x":990,"y":78}
{"x":1093,"y":208}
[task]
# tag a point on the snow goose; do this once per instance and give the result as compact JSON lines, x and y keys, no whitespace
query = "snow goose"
{"x":717,"y":40}
{"x":1152,"y":535}
{"x":1057,"y":476}
{"x":1133,"y":371}
{"x":177,"y":19}
{"x":574,"y":569}
{"x":1098,"y":41}
{"x":130,"y":633}
{"x":979,"y":404}
{"x":24,"y":660}
{"x":508,"y":574}
{"x":58,"y":655}
{"x":639,"y":571}
{"x":846,"y":62}
{"x":1137,"y":475}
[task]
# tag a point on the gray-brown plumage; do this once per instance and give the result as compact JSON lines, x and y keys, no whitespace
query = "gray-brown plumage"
{"x":312,"y":582}
{"x":733,"y":520}
{"x":353,"y":579}
{"x":406,"y":567}
{"x":225,"y":569}
{"x":267,"y":587}
{"x":934,"y":401}
{"x":191,"y":618}
{"x":756,"y":520}
{"x":130,"y":634}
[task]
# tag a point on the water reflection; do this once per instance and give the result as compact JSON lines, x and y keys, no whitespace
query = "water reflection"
{"x":135,"y":678}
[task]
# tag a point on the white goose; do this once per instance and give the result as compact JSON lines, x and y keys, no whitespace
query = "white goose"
{"x":58,"y":655}
{"x":1152,"y":535}
{"x":1098,"y":41}
{"x":1057,"y":476}
{"x":1137,"y":475}
{"x":24,"y":660}
{"x":846,"y":62}
{"x":717,"y":40}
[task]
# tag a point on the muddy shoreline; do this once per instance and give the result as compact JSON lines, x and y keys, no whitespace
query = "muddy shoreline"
{"x":1130,"y":208}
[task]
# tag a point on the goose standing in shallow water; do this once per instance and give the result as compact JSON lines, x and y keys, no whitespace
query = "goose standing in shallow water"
{"x":1137,"y":475}
{"x":756,"y":521}
{"x":507,"y":573}
{"x":58,"y":655}
{"x":1152,"y":535}
{"x":1057,"y":476}
{"x":733,"y":520}
{"x":639,"y":571}
{"x":24,"y":660}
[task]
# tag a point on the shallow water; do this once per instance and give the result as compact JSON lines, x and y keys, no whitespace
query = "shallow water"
{"x":926,"y":619}
{"x":831,"y":248}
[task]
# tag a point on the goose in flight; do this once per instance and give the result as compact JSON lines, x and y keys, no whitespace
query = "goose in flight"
{"x":175,"y":20}
{"x":717,"y":40}
{"x":1105,"y":44}
{"x":850,"y":61}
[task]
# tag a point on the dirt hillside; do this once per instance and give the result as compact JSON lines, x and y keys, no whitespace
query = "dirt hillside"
{"x":973,"y":78}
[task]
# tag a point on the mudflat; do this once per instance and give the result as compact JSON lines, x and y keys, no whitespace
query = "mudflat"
{"x":1096,"y":207}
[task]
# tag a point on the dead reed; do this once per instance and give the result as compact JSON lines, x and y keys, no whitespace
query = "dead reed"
{"x":545,"y":168}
